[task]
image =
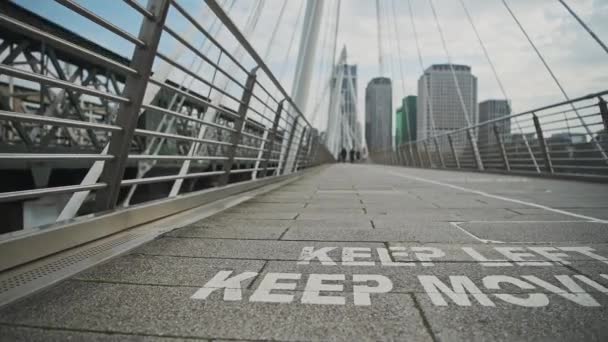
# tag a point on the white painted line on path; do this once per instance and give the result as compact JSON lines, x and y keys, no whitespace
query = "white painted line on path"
{"x":485,"y":194}
{"x":457,"y":225}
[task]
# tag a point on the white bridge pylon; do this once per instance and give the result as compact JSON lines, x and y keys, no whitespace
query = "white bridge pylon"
{"x":342,"y":110}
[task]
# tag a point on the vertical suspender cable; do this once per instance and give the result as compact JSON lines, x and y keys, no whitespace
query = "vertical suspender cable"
{"x":500,"y":84}
{"x":379,"y":31}
{"x":392,"y":68}
{"x":400,"y":59}
{"x":447,"y":53}
{"x":540,"y":56}
{"x":421,"y":63}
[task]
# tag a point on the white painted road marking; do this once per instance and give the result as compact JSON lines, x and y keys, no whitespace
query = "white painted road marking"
{"x":485,"y":194}
{"x":328,"y":289}
{"x":422,"y":255}
{"x":457,"y":225}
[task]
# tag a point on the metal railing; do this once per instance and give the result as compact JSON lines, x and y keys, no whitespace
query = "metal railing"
{"x":188,"y":111}
{"x":564,"y":139}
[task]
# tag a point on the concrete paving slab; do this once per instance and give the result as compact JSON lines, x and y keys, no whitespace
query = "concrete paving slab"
{"x":590,"y":268}
{"x":278,"y":200}
{"x":237,"y":249}
{"x":560,"y":320}
{"x":228,"y":221}
{"x":157,"y":310}
{"x":323,"y":210}
{"x":239,"y":230}
{"x":31,"y":334}
{"x":600,"y":213}
{"x":329,"y":215}
{"x":496,"y":252}
{"x":335,"y":204}
{"x":420,"y":234}
{"x":165,"y":270}
{"x":574,"y":232}
{"x":405,"y":277}
{"x":360,"y":222}
{"x":269,"y":215}
{"x":146,"y":295}
{"x":266,"y":208}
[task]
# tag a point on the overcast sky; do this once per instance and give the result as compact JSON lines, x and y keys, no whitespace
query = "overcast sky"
{"x":577,"y":60}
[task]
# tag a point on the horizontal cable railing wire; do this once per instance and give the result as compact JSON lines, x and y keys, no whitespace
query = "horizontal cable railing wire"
{"x":551,"y":140}
{"x":92,"y":130}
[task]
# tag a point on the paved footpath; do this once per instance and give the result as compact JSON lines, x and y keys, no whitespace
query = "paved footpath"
{"x":354,"y":253}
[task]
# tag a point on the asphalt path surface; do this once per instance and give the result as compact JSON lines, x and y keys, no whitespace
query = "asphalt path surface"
{"x":354,"y":253}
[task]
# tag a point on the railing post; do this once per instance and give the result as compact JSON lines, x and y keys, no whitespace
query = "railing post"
{"x":239,"y":123}
{"x":314,"y":148}
{"x":428,"y":154}
{"x":135,"y":86}
{"x":298,"y":149}
{"x":404,"y":157}
{"x":439,"y":153}
{"x":306,"y":153}
{"x":543,"y":144}
{"x":454,"y":154}
{"x":420,"y":162}
{"x":412,"y":159}
{"x":292,"y":131}
{"x":604,"y":113}
{"x":501,"y":145}
{"x":476,"y":154}
{"x":272,"y":138}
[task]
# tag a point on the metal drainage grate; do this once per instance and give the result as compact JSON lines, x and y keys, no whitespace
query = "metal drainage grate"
{"x":24,"y":280}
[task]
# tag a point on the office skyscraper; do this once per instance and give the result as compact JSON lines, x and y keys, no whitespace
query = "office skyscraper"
{"x":438,"y":94}
{"x":378,"y":113}
{"x":490,"y":110}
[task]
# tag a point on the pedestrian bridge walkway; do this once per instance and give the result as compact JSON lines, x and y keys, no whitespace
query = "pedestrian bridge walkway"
{"x":353,"y":252}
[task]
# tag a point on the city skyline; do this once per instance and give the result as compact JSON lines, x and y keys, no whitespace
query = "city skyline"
{"x":378,"y":113}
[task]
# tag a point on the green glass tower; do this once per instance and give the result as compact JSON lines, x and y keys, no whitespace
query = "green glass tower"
{"x":405,"y":121}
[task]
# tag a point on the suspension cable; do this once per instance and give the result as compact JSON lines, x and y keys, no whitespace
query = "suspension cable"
{"x":384,"y":11}
{"x":323,"y":57}
{"x":542,"y":59}
{"x":498,"y":80}
{"x":421,"y":63}
{"x":597,"y":39}
{"x":274,"y":31}
{"x":323,"y":65}
{"x":540,"y":56}
{"x":447,"y":53}
{"x":379,"y":31}
{"x":401,"y":69}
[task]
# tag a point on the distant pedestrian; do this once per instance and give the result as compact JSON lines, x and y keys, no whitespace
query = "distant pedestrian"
{"x":352,"y":156}
{"x":343,"y":155}
{"x":358,"y":153}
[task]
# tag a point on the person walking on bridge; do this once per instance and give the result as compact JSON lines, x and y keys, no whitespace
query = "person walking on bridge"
{"x":343,"y":155}
{"x":352,"y":155}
